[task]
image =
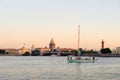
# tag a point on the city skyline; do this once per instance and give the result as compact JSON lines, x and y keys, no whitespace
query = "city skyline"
{"x":36,"y":22}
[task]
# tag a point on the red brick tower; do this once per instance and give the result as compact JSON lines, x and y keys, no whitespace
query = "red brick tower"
{"x":102,"y":44}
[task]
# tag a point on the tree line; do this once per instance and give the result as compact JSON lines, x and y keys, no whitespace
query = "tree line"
{"x":2,"y":51}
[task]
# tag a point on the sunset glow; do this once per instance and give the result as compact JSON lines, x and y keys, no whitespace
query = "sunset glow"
{"x":37,"y":21}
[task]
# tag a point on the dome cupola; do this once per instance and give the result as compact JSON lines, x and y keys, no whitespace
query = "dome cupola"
{"x":52,"y":44}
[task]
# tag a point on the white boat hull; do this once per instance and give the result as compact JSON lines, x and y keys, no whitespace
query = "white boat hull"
{"x":81,"y":61}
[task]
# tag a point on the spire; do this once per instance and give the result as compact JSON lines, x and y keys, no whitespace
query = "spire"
{"x":33,"y":46}
{"x":23,"y":45}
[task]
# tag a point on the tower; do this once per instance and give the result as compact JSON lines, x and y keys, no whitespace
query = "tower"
{"x":102,"y":44}
{"x":32,"y":47}
{"x":52,"y":44}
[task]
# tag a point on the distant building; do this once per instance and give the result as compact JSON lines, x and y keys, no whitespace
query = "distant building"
{"x":43,"y":50}
{"x":52,"y":44}
{"x":11,"y":52}
{"x":23,"y":50}
{"x":52,"y":50}
{"x":118,"y":50}
{"x":69,"y":50}
{"x":114,"y":51}
{"x":47,"y":50}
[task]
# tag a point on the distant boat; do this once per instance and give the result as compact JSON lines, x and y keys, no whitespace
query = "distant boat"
{"x":78,"y":58}
{"x":82,"y":61}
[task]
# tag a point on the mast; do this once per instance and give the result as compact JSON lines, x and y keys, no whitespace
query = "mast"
{"x":78,"y":37}
{"x":79,"y":53}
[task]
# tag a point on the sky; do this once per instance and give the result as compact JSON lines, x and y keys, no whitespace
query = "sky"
{"x":37,"y":21}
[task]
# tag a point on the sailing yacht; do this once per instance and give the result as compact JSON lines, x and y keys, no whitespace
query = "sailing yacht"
{"x":78,"y":58}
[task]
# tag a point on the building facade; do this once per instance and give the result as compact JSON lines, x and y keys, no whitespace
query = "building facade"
{"x":23,"y":51}
{"x":43,"y":50}
{"x":11,"y":52}
{"x":118,"y":50}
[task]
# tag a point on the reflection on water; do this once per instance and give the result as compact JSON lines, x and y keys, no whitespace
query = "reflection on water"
{"x":57,"y":68}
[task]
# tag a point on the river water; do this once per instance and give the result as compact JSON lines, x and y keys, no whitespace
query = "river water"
{"x":57,"y":68}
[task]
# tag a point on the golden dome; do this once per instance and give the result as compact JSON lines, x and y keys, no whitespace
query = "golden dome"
{"x":52,"y":41}
{"x":52,"y":44}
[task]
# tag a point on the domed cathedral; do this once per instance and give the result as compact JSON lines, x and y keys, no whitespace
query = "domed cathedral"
{"x":52,"y":44}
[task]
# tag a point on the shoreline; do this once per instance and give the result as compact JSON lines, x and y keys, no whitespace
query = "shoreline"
{"x":84,"y":55}
{"x":102,"y":55}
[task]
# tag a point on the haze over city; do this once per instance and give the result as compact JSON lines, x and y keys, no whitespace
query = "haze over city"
{"x":37,"y":21}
